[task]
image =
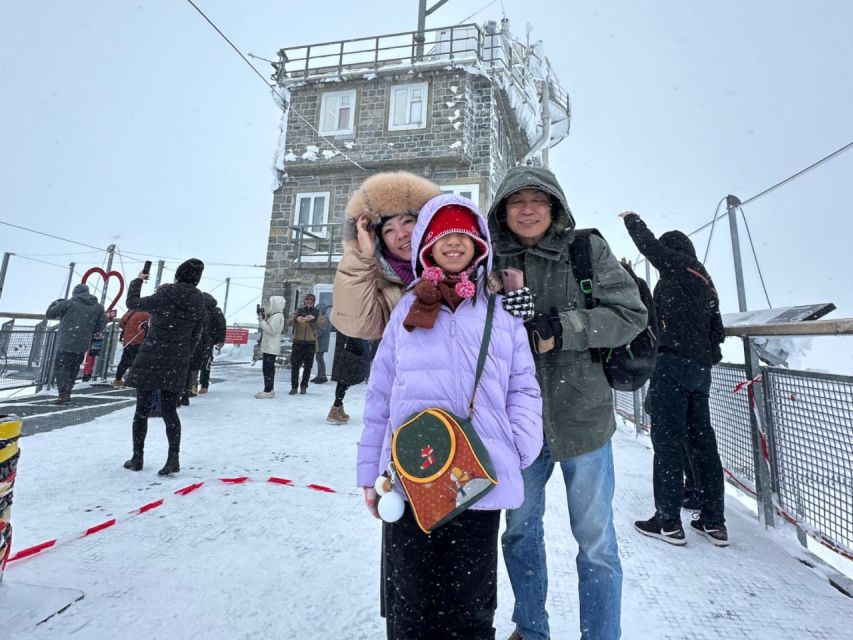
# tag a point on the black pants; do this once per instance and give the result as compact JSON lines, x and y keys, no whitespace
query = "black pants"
{"x":128,"y":355}
{"x":204,"y":375}
{"x":678,"y":406}
{"x":268,"y":367}
{"x":445,"y":583}
{"x":340,"y":393}
{"x":301,"y":356}
{"x":66,"y":367}
{"x":169,"y":411}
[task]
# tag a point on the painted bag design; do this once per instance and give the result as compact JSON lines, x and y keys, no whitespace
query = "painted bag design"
{"x":442,"y":464}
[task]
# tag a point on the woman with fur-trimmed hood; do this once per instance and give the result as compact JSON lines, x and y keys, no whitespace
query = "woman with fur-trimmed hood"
{"x":376,"y":267}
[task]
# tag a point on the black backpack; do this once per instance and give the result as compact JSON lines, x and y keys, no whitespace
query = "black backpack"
{"x":629,"y":367}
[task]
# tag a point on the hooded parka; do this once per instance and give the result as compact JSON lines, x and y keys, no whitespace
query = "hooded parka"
{"x":688,"y":309}
{"x":577,"y":401}
{"x":79,"y":317}
{"x":177,"y":317}
{"x":415,"y":370}
{"x":272,"y":324}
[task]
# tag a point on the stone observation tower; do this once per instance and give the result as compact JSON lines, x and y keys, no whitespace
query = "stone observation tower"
{"x":460,"y":107}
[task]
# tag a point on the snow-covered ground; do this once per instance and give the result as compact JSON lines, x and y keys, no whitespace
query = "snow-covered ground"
{"x":265,"y":560}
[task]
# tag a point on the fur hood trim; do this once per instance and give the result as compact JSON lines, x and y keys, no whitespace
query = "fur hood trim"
{"x":386,"y":194}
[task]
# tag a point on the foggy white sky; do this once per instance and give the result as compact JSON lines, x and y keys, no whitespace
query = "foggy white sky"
{"x":136,"y":124}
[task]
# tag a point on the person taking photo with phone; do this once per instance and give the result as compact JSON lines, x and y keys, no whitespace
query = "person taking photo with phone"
{"x":163,"y":362}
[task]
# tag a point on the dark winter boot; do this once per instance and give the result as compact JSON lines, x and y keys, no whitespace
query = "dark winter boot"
{"x":135,"y":463}
{"x":172,"y":465}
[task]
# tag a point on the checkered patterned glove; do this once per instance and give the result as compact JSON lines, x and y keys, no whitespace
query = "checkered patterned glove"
{"x":519,"y":303}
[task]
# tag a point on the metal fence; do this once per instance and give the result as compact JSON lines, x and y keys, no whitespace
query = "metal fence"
{"x":27,"y":355}
{"x":808,"y":440}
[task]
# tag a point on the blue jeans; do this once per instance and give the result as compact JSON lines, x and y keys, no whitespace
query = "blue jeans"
{"x":590,"y":484}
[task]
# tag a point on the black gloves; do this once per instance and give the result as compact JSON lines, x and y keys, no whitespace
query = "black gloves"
{"x":519,"y":303}
{"x":545,"y":332}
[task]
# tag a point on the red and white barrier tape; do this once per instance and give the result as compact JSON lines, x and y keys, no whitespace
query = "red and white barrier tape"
{"x":50,"y":544}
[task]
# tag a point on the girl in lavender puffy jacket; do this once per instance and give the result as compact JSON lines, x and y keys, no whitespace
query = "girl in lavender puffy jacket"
{"x":446,"y":583}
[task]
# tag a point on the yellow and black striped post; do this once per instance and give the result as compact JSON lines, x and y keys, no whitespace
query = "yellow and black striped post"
{"x":10,"y":431}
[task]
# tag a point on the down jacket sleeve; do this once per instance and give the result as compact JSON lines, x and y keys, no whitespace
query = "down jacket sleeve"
{"x":361,"y":308}
{"x":377,"y":411}
{"x":620,"y":315}
{"x":523,"y":402}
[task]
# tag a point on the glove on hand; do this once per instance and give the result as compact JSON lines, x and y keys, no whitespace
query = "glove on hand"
{"x":519,"y":303}
{"x":545,"y":332}
{"x":370,"y":500}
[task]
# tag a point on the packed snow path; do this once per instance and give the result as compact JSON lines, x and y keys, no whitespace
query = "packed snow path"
{"x":263,"y":561}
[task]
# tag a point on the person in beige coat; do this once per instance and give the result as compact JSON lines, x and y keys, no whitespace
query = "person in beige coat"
{"x":375,"y":268}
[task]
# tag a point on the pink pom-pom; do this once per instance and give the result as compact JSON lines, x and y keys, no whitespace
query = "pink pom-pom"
{"x":433,"y":274}
{"x":465,"y":289}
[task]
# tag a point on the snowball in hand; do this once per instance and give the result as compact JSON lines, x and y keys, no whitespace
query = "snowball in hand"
{"x":391,"y":507}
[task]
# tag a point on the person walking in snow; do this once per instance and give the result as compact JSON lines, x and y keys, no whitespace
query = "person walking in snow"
{"x":322,"y":346}
{"x":532,"y":228}
{"x":306,"y":323}
{"x":445,"y":583}
{"x":691,"y":332}
{"x":80,"y":317}
{"x":216,"y":325}
{"x":163,"y":362}
{"x":134,"y":325}
{"x":373,"y":274}
{"x":271,"y":324}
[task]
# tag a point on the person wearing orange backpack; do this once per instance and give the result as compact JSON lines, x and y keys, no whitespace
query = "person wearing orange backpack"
{"x":134,"y":326}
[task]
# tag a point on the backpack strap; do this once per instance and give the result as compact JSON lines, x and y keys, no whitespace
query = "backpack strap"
{"x":580,"y":255}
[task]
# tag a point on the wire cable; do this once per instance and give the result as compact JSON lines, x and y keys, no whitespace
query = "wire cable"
{"x":798,"y":174}
{"x":224,"y":37}
{"x":255,"y":299}
{"x":281,"y":100}
{"x":464,"y":20}
{"x":52,"y":264}
{"x":711,"y":235}
{"x":755,"y":257}
{"x":50,"y":235}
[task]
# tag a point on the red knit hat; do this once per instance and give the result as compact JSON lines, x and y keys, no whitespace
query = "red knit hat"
{"x":453,"y":218}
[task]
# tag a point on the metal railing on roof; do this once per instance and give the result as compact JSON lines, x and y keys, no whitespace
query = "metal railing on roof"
{"x":456,"y":45}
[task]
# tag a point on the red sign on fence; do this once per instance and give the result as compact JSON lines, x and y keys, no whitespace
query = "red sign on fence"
{"x":235,"y":335}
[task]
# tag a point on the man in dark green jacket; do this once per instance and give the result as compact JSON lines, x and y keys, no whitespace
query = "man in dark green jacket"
{"x":80,"y":317}
{"x":532,"y":228}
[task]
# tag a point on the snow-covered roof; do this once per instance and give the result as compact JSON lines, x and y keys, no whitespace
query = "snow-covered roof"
{"x":519,"y":69}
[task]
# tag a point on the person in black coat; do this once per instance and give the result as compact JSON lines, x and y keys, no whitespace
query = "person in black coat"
{"x":691,"y":332}
{"x":216,"y":325}
{"x":177,"y":318}
{"x":203,"y":350}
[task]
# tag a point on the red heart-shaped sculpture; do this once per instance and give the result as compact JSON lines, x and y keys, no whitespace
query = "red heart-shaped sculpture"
{"x":106,"y":276}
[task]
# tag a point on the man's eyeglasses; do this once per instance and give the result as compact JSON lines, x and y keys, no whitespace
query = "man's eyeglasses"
{"x":539,"y":203}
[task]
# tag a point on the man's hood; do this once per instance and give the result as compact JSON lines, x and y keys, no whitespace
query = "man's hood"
{"x":562,"y":222}
{"x":276,"y":305}
{"x":81,"y":294}
{"x":426,"y":215}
